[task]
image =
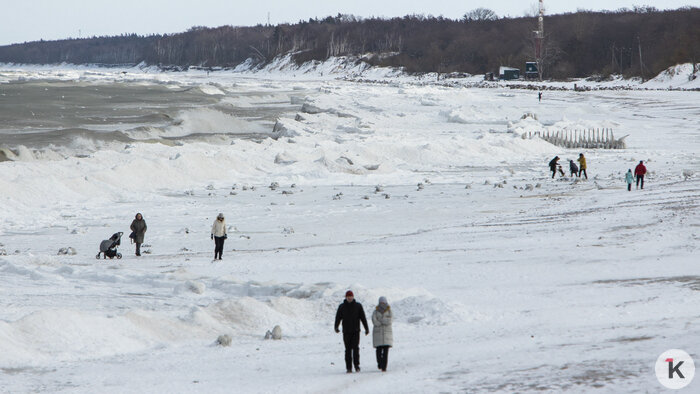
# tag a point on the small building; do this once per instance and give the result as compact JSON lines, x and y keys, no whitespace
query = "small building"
{"x":508,"y":73}
{"x":531,"y":70}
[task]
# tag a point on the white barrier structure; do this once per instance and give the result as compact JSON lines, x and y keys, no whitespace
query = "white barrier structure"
{"x":589,"y":138}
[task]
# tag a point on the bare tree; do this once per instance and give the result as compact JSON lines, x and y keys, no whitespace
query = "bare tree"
{"x":480,"y":14}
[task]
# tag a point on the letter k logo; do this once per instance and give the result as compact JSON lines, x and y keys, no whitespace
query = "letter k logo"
{"x":672,"y":369}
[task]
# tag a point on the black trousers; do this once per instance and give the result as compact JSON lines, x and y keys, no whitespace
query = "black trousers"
{"x":218,"y":247}
{"x":138,"y":249}
{"x":352,"y":349}
{"x":382,"y":356}
{"x":640,"y":178}
{"x":629,"y":187}
{"x":582,"y":170}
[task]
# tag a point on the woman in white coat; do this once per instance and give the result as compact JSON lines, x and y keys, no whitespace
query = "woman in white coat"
{"x":218,"y":234}
{"x":382,"y":335}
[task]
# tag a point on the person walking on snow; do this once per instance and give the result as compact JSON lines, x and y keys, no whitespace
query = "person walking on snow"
{"x":629,"y":178}
{"x":573,"y":168}
{"x":138,"y":228}
{"x":639,"y":172}
{"x":554,"y":166}
{"x":219,"y":234}
{"x":382,"y":335}
{"x":582,"y":165}
{"x":351,"y":313}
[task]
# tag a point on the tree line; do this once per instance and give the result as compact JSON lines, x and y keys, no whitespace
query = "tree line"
{"x":638,"y":42}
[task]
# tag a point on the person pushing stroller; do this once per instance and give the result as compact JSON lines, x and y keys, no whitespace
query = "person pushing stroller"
{"x":554,"y":166}
{"x":138,"y":231}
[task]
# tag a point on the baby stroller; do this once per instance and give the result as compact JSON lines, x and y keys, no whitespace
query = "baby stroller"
{"x":108,"y":247}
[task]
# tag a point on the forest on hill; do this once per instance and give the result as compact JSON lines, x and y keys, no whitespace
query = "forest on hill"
{"x":639,"y":42}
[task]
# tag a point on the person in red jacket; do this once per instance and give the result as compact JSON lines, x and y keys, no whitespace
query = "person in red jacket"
{"x":639,"y":172}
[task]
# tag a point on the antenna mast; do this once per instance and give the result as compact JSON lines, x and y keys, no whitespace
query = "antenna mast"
{"x":539,"y":39}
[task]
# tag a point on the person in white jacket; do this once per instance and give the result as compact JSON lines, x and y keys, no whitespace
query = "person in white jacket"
{"x":219,"y":234}
{"x":382,"y":335}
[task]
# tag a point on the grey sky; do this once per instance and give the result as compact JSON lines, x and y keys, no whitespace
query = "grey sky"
{"x":30,"y":20}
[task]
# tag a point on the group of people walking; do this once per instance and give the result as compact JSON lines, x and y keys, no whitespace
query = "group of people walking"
{"x":639,"y":171}
{"x":351,"y":314}
{"x":554,"y":166}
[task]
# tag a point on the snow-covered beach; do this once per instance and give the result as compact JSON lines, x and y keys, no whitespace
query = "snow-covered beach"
{"x":500,"y":278}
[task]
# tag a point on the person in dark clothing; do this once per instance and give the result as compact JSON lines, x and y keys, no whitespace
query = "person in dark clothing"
{"x":351,"y":314}
{"x":138,"y":228}
{"x":639,"y":171}
{"x":554,"y":166}
{"x":573,"y":168}
{"x":539,"y":96}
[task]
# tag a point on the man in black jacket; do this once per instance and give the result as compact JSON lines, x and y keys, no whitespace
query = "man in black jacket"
{"x":351,"y":314}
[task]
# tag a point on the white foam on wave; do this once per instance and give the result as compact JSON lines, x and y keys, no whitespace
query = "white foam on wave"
{"x":211,"y":90}
{"x":200,"y":121}
{"x":23,"y":153}
{"x":206,"y":120}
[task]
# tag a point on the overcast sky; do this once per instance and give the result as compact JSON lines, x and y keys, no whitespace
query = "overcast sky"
{"x":30,"y":20}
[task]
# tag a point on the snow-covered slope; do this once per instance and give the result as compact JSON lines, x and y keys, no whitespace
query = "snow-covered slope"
{"x":680,"y":76}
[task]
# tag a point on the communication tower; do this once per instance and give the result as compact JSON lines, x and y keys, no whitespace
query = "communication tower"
{"x":539,"y":39}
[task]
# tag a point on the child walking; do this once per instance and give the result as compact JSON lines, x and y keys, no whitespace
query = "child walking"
{"x":629,"y":178}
